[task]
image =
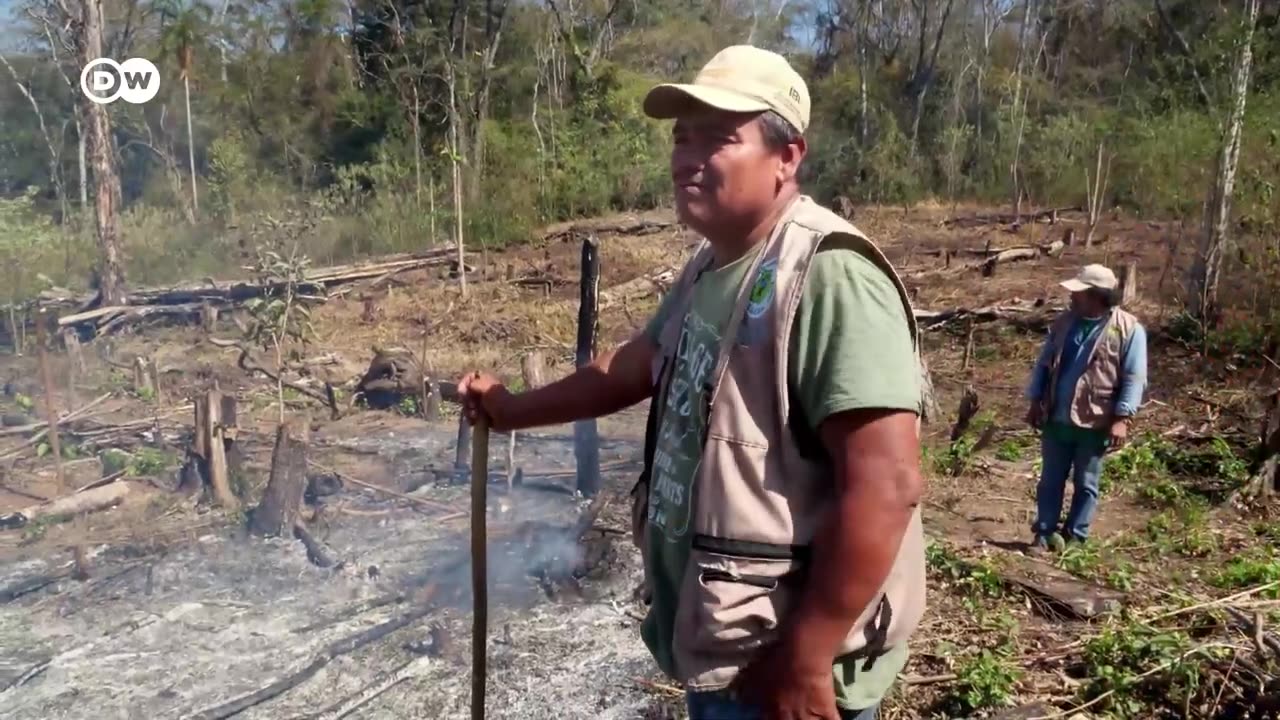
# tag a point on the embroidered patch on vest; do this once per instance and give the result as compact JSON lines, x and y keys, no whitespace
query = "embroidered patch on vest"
{"x":762,"y":291}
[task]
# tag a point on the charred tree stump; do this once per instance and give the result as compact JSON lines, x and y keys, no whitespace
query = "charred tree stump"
{"x":278,"y":512}
{"x":1129,"y":284}
{"x":531,"y":371}
{"x":75,"y":353}
{"x":586,"y":442}
{"x":462,"y":450}
{"x":75,"y":364}
{"x":208,"y":317}
{"x":928,"y":396}
{"x":968,"y":408}
{"x":211,"y":447}
{"x":431,"y":407}
{"x":144,"y":377}
{"x":967,"y":361}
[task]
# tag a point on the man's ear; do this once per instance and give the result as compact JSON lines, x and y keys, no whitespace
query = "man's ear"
{"x":791,"y":157}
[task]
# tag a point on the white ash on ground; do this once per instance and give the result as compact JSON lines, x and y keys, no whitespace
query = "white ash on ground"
{"x":177,"y":633}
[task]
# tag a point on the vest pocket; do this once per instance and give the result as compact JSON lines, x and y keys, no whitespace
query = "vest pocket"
{"x":731,"y":604}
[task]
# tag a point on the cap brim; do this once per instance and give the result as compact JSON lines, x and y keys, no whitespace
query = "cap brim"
{"x":672,"y":100}
{"x":1074,"y":285}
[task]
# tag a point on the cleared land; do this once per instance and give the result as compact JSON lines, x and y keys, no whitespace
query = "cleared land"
{"x":183,"y":612}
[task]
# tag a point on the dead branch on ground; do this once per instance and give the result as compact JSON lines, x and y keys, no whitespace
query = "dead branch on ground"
{"x":1049,"y":216}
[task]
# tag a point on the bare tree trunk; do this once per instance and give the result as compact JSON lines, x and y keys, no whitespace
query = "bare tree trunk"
{"x":1215,"y":238}
{"x":191,"y":146}
{"x":417,"y":151}
{"x":1095,"y":191}
{"x":105,"y":175}
{"x":1017,"y":100}
{"x":495,"y":20}
{"x":451,"y":81}
{"x":84,"y":168}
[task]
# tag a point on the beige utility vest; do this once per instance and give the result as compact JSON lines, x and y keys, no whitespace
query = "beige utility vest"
{"x":1094,"y":399}
{"x":758,"y":501}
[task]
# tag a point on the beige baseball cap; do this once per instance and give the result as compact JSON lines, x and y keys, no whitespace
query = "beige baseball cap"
{"x":1092,"y":276}
{"x":740,"y":78}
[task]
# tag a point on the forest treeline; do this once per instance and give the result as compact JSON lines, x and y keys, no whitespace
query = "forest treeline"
{"x":373,"y":126}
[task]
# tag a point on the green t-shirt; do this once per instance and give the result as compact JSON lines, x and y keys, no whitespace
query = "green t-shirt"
{"x":850,"y":349}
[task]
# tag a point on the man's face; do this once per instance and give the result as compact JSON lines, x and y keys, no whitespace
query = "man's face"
{"x":725,"y":176}
{"x":1086,"y":303}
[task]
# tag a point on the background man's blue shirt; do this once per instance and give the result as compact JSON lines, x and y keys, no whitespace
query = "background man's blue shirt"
{"x":1080,"y":340}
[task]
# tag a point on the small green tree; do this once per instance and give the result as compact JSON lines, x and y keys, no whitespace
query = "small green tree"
{"x":282,"y":314}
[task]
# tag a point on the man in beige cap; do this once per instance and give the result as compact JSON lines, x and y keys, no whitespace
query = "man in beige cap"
{"x":778,"y":510}
{"x":1086,"y":386}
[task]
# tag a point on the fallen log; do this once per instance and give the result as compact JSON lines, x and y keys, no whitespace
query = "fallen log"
{"x":318,"y":552}
{"x":92,"y":500}
{"x":1062,"y":590}
{"x":198,"y":300}
{"x":1033,"y":315}
{"x":627,"y":227}
{"x":642,"y":286}
{"x":62,"y":420}
{"x":1050,"y":215}
{"x":413,"y":668}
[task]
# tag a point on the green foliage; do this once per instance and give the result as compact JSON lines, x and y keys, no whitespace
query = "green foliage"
{"x":979,"y":577}
{"x":1167,"y":475}
{"x":984,"y":680}
{"x":145,"y":462}
{"x":1258,"y":565}
{"x":28,"y":248}
{"x":1137,"y":668}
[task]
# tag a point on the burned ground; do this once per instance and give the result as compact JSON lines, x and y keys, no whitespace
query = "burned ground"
{"x":184,"y":612}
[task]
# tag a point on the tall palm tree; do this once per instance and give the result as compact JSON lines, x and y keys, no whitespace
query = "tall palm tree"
{"x":180,"y":28}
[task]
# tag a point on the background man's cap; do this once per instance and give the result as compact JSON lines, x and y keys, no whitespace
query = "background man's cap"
{"x":740,"y":78}
{"x":1092,"y":276}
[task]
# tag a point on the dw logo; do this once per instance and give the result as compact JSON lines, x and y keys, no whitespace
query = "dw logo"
{"x":104,"y":80}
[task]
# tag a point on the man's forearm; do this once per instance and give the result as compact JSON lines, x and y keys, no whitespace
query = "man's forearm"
{"x":612,"y":382}
{"x":852,"y":555}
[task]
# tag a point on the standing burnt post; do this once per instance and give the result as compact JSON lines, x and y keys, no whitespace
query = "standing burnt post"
{"x":213,"y":413}
{"x":586,"y":442}
{"x":278,"y":512}
{"x":531,"y":370}
{"x":461,"y":466}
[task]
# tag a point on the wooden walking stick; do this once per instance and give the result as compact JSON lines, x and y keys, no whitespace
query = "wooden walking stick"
{"x":479,"y":584}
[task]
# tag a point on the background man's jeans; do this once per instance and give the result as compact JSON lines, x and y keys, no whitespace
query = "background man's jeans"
{"x":1060,"y":456}
{"x":718,"y":706}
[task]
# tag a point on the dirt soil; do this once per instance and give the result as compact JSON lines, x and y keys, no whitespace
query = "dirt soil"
{"x":183,"y":611}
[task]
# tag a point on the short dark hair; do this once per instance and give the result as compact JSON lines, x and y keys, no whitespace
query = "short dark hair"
{"x":778,"y":133}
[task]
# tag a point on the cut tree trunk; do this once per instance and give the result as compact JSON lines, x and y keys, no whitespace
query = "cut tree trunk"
{"x":1129,"y":284}
{"x":91,"y":500}
{"x":208,"y":317}
{"x":929,"y":397}
{"x":277,"y":514}
{"x":968,"y":408}
{"x":212,"y":433}
{"x":144,"y":377}
{"x":532,"y":372}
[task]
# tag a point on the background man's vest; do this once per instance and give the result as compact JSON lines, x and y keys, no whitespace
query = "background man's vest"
{"x":758,"y":500}
{"x":1094,"y":398}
